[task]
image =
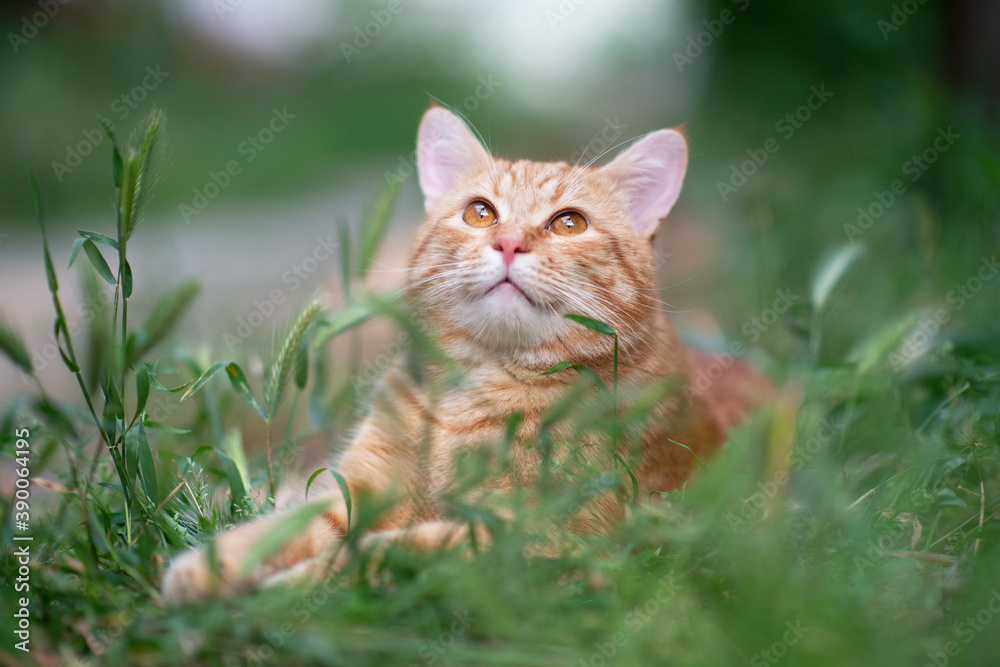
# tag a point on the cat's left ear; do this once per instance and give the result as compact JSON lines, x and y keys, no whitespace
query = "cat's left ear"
{"x":446,"y":149}
{"x":651,"y":172}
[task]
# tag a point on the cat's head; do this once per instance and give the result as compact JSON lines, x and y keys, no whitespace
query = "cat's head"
{"x":509,"y":248}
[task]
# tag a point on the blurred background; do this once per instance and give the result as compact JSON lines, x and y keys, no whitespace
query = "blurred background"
{"x":285,"y":117}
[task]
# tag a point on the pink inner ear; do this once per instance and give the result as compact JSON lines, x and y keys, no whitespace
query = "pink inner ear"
{"x":651,"y":171}
{"x":446,"y":149}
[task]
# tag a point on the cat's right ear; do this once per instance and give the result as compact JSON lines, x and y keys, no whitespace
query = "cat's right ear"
{"x":446,"y":149}
{"x":651,"y":172}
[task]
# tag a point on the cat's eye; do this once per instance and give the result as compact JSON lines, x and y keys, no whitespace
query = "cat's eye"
{"x":479,"y":214}
{"x":568,"y":223}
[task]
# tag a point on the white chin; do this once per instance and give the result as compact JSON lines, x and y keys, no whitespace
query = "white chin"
{"x":505,"y":319}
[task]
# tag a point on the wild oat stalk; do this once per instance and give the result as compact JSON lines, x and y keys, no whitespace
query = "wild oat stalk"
{"x":293,"y":355}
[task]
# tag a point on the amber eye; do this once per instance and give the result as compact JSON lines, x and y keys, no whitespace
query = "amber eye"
{"x":479,"y":214}
{"x":568,"y":223}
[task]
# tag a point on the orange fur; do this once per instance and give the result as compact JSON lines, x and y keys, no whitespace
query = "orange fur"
{"x":502,"y":337}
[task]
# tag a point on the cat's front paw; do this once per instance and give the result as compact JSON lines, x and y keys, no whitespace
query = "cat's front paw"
{"x":190,"y":578}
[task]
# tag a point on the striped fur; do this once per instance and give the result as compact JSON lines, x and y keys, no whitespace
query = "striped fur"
{"x":502,"y":338}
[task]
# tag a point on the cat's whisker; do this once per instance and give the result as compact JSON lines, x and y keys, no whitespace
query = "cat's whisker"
{"x":441,"y":289}
{"x":482,"y":141}
{"x":391,"y":269}
{"x":434,"y":276}
{"x":583,"y":173}
{"x":626,"y":333}
{"x":584,"y":282}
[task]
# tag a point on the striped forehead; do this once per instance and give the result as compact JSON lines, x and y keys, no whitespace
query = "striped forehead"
{"x":529,"y":191}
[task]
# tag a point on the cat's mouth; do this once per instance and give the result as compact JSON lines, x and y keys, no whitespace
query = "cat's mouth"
{"x":508,"y":285}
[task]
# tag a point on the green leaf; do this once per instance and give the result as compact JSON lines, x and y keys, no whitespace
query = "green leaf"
{"x":97,"y":259}
{"x":344,"y":239}
{"x":201,"y":381}
{"x":147,"y":470}
{"x":702,"y":465}
{"x":132,"y":455}
{"x":157,"y":426}
{"x":233,"y":444}
{"x":50,"y":273}
{"x":582,"y":370}
{"x":116,"y":165}
{"x":374,"y":227}
{"x":141,"y":388}
{"x":350,"y":316}
{"x":112,"y":397}
{"x":127,"y":280}
{"x":632,"y":477}
{"x":587,"y":371}
{"x":77,"y":245}
{"x":292,"y":524}
{"x":237,"y":485}
{"x":346,"y":492}
{"x":312,"y":478}
{"x":831,"y":272}
{"x":164,"y":316}
{"x":341,"y":482}
{"x":97,"y":537}
{"x":15,"y":349}
{"x":591,"y":323}
{"x":97,"y":237}
{"x":557,"y":368}
{"x":55,"y":418}
{"x":242,"y":387}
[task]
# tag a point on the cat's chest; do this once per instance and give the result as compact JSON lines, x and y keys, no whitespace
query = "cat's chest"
{"x":490,"y":396}
{"x":479,"y":414}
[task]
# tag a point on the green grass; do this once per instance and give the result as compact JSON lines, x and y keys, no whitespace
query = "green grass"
{"x":874,"y":541}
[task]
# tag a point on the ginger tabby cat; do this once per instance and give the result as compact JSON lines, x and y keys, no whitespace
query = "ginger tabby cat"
{"x":508,"y":249}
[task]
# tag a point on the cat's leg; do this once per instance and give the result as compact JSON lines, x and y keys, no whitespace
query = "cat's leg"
{"x":428,"y":536}
{"x":380,"y":461}
{"x":191,"y":576}
{"x":424,"y":536}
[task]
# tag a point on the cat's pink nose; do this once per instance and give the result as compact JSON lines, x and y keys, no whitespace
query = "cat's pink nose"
{"x":509,"y":245}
